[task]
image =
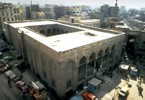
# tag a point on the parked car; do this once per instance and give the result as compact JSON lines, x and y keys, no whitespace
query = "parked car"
{"x":4,"y":68}
{"x":10,"y":74}
{"x":133,"y":72}
{"x":21,"y":84}
{"x":6,"y":59}
{"x":14,"y":75}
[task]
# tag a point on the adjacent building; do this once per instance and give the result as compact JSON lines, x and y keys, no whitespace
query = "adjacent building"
{"x":10,"y":13}
{"x":65,"y":56}
{"x":60,"y":11}
{"x":135,"y":41}
{"x":91,"y":22}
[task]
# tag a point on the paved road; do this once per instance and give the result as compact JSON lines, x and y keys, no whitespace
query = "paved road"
{"x":134,"y":93}
{"x":7,"y":93}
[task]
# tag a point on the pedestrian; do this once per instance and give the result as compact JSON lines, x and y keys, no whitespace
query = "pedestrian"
{"x":9,"y":82}
{"x":24,"y":90}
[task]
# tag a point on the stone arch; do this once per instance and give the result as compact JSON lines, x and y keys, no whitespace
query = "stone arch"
{"x":92,"y":59}
{"x":82,"y":68}
{"x":99,"y":60}
{"x":107,"y":50}
{"x":83,"y":60}
{"x":112,"y":53}
{"x":91,"y":65}
{"x":49,"y":31}
{"x":58,"y":31}
{"x":53,"y":30}
{"x":100,"y":54}
{"x":42,"y":31}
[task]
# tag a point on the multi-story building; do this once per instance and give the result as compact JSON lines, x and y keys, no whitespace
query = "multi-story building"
{"x":9,"y":12}
{"x":49,"y":11}
{"x":135,"y":41}
{"x":104,"y":10}
{"x":70,"y":19}
{"x":60,"y":11}
{"x":113,"y":11}
{"x":33,"y":12}
{"x":91,"y":22}
{"x":78,"y":19}
{"x":63,"y":55}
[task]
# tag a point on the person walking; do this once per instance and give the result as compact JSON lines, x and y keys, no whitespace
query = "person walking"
{"x":9,"y":82}
{"x":24,"y":90}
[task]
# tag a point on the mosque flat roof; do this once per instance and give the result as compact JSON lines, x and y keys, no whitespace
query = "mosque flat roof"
{"x":66,"y":41}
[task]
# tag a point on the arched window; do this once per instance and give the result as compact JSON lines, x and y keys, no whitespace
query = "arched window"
{"x":107,"y":50}
{"x":111,"y":55}
{"x":82,"y":68}
{"x":58,"y":31}
{"x":53,"y":31}
{"x":49,"y":31}
{"x":42,"y":31}
{"x":100,"y":54}
{"x":92,"y":60}
{"x":113,"y":48}
{"x":83,"y":60}
{"x":91,"y":65}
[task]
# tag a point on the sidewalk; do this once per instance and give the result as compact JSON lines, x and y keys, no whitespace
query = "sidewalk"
{"x":110,"y":84}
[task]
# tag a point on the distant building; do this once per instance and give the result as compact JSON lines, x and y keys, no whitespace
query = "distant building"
{"x":60,"y":11}
{"x":113,"y":11}
{"x":91,"y":22}
{"x":79,"y":19}
{"x":70,"y":19}
{"x":10,"y":13}
{"x":48,"y":11}
{"x":135,"y":41}
{"x":104,"y":10}
{"x":65,"y":56}
{"x":34,"y":12}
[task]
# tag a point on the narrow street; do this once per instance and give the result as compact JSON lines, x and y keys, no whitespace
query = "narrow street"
{"x":7,"y":93}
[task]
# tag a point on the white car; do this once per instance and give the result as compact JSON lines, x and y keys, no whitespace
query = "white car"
{"x":10,"y":74}
{"x":13,"y":76}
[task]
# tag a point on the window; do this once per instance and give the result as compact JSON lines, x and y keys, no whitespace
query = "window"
{"x":17,"y":10}
{"x":54,"y":31}
{"x":68,"y":83}
{"x":11,"y":13}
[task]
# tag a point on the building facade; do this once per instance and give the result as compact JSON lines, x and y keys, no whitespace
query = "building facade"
{"x":66,"y":57}
{"x":9,"y":12}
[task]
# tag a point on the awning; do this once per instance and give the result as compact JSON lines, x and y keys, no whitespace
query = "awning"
{"x":95,"y":82}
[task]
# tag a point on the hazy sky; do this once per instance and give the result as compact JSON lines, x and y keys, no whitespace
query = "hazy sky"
{"x":93,"y":3}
